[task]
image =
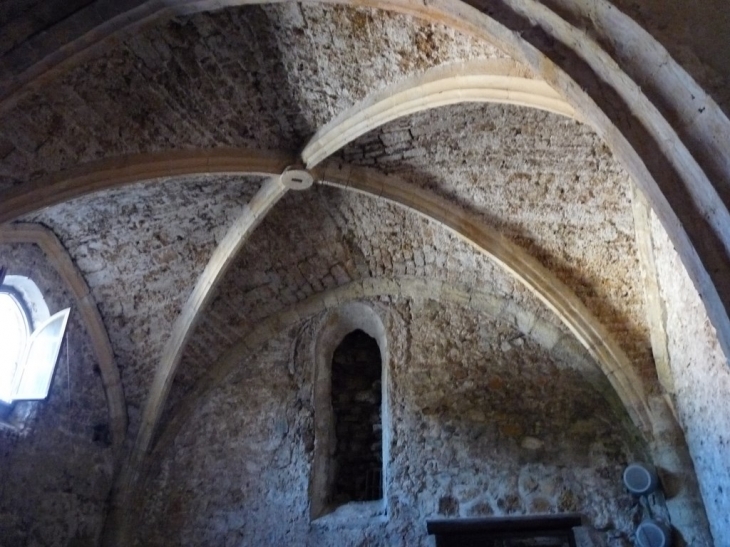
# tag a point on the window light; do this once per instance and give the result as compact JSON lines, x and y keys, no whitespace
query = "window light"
{"x":15,"y":329}
{"x":27,"y":358}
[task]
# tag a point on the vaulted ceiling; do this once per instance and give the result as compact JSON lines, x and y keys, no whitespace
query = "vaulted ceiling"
{"x":141,"y":153}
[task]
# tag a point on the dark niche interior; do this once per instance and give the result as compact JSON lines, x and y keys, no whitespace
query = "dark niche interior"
{"x":356,"y":403}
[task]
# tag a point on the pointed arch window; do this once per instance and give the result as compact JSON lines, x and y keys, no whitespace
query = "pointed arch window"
{"x":30,"y":341}
{"x":351,"y":449}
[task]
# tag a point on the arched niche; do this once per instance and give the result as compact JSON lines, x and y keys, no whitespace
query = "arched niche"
{"x":336,"y":325}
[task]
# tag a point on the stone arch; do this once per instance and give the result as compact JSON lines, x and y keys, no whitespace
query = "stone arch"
{"x":120,"y":171}
{"x":544,"y":333}
{"x":62,"y":262}
{"x":498,"y":81}
{"x":336,"y":324}
{"x":609,"y":69}
{"x":666,"y":449}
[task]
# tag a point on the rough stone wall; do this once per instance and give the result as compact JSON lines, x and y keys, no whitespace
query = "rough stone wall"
{"x":524,"y":432}
{"x":141,"y":250}
{"x":482,"y":421}
{"x":55,"y":474}
{"x":701,"y":382}
{"x":323,"y":238}
{"x":259,"y":462}
{"x":257,"y":76}
{"x":547,"y":182}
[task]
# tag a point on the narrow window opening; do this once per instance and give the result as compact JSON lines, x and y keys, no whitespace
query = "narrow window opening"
{"x":30,"y":341}
{"x":356,"y":404}
{"x":349,"y":477}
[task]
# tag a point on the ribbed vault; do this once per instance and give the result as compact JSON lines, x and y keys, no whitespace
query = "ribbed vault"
{"x":154,"y":157}
{"x":668,"y":129}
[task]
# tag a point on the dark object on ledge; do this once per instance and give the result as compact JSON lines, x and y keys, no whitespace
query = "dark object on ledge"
{"x":520,"y":531}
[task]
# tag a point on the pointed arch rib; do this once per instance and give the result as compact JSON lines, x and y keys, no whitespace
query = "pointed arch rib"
{"x":120,"y":171}
{"x":496,"y":306}
{"x":268,"y":195}
{"x":521,"y":265}
{"x":588,"y":330}
{"x":59,"y":258}
{"x":496,"y":80}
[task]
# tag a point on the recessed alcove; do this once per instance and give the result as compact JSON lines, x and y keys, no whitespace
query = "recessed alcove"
{"x":350,"y":398}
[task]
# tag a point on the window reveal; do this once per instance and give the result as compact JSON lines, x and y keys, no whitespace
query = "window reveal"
{"x":349,"y":473}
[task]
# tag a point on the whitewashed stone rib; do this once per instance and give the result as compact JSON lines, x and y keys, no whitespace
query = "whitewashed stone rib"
{"x":254,"y":212}
{"x":497,"y":81}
